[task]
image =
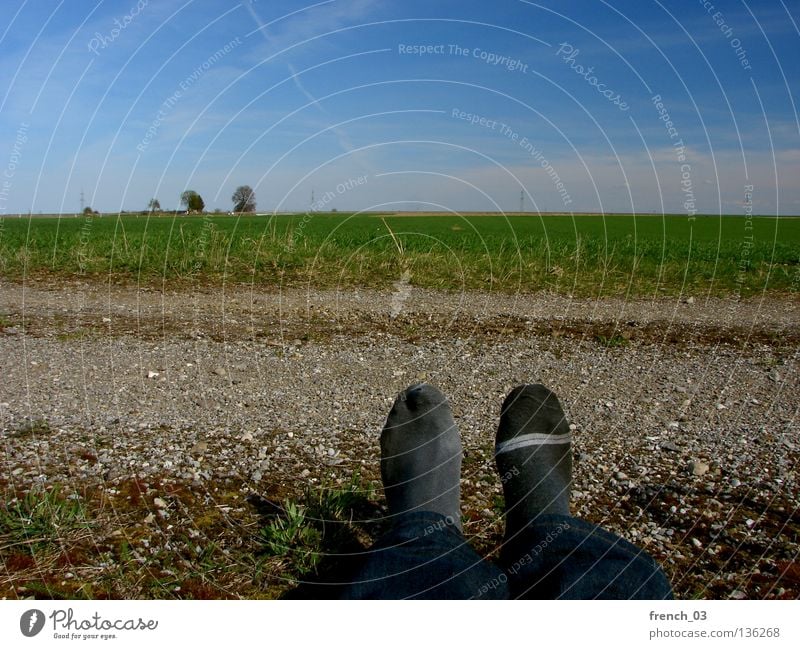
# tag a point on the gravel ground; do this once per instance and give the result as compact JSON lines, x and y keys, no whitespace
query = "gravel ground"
{"x":684,"y":414}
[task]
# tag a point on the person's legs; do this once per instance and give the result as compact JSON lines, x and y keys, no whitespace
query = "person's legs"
{"x":547,"y":553}
{"x":424,"y":555}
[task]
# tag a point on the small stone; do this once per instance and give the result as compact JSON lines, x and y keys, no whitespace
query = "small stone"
{"x":220,"y":371}
{"x":619,"y":475}
{"x":669,"y":446}
{"x":305,"y":473}
{"x":721,"y":406}
{"x":106,"y":320}
{"x":738,"y":594}
{"x":149,"y":519}
{"x":247,"y":437}
{"x":735,"y":483}
{"x":331,"y":452}
{"x":690,"y":300}
{"x":257,"y":475}
{"x":158,"y":502}
{"x":696,"y":543}
{"x":152,"y":375}
{"x":750,"y":522}
{"x":698,"y":467}
{"x":774,"y":375}
{"x":200,"y":448}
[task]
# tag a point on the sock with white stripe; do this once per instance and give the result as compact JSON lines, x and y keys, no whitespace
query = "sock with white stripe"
{"x":533,"y":456}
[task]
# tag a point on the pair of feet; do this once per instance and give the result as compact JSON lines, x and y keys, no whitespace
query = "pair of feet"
{"x":421,"y":455}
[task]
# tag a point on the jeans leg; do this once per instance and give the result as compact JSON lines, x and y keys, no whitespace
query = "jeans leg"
{"x":424,"y":556}
{"x":560,"y":557}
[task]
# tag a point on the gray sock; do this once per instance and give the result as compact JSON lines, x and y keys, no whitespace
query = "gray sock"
{"x":421,"y":455}
{"x":533,"y":456}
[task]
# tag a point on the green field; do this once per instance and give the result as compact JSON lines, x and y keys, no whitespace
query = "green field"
{"x":581,"y":255}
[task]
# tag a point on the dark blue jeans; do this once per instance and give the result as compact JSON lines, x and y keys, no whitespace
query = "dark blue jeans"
{"x":423,"y":556}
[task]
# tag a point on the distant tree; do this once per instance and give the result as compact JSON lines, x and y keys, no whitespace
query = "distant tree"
{"x":192,"y":200}
{"x":154,"y":205}
{"x":244,"y":199}
{"x":88,"y":210}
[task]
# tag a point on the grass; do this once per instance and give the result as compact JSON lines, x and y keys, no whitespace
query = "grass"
{"x":330,"y":503}
{"x":589,"y":255}
{"x":294,"y":538}
{"x":212,"y":543}
{"x":615,"y":340}
{"x":303,"y":534}
{"x":40,"y":519}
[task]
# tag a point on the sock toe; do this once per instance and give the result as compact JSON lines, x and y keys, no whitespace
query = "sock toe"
{"x":531,"y":409}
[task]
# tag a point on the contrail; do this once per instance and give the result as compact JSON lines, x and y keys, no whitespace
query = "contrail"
{"x":344,"y":140}
{"x":302,"y":89}
{"x":341,"y":136}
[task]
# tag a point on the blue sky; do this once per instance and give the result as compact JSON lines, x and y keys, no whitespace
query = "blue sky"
{"x":127,"y":100}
